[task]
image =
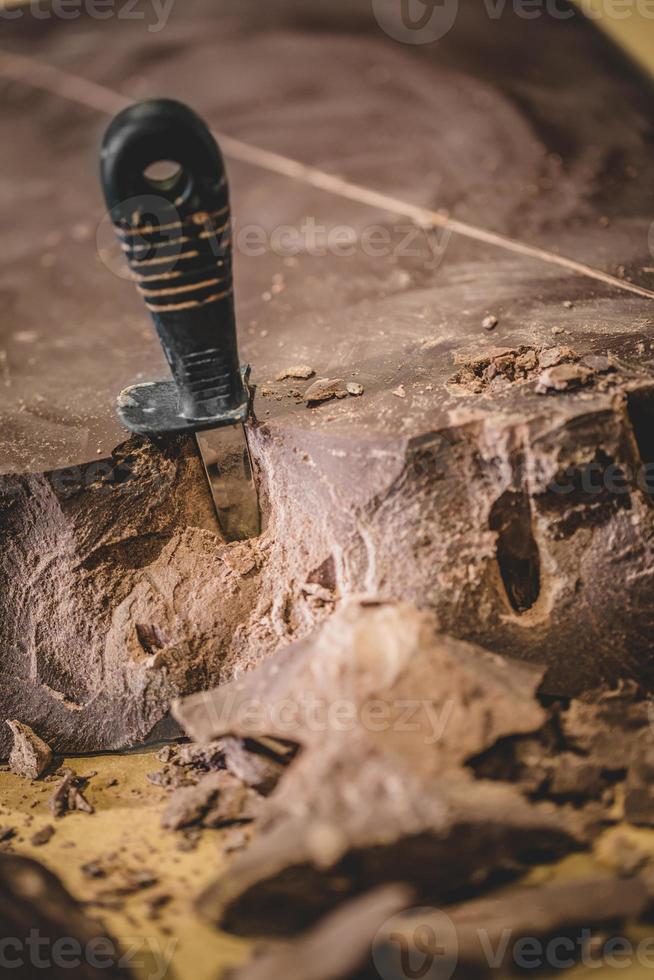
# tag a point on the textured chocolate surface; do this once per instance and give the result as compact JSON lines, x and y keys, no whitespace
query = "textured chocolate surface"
{"x":435,"y":484}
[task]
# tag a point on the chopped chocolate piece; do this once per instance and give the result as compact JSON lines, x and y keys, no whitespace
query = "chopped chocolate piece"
{"x":6,"y":833}
{"x":377,"y":656}
{"x":575,"y":776}
{"x":456,"y":834}
{"x":551,"y":356}
{"x":69,"y":795}
{"x":563,"y":377}
{"x":217,"y":800}
{"x":189,"y":804}
{"x":338,"y":947}
{"x":42,"y":836}
{"x":30,"y":756}
{"x":256,"y":769}
{"x":300,"y":371}
{"x":526,"y":362}
{"x":235,"y":803}
{"x":413,"y":706}
{"x":172,"y":776}
{"x":324,"y":389}
{"x":206,"y":758}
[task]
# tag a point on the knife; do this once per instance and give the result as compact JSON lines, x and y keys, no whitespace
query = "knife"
{"x":175,"y":231}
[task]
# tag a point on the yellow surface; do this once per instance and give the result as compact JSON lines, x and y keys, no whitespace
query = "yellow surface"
{"x":630,"y":23}
{"x":125,"y":833}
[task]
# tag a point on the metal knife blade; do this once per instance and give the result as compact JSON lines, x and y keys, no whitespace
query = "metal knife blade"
{"x":226,"y":458}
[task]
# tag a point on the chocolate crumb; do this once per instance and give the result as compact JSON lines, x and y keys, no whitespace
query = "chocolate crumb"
{"x":93,"y":869}
{"x":298,"y":372}
{"x":42,"y":836}
{"x":324,"y":389}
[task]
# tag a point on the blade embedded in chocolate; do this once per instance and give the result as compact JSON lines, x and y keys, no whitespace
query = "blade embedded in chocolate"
{"x":179,"y":247}
{"x":226,"y":459}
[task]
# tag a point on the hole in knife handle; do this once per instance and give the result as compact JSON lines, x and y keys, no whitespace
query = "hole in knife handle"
{"x":163,"y":175}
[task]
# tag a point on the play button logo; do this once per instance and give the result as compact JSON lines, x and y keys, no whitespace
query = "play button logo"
{"x":415,"y":21}
{"x":419,"y":944}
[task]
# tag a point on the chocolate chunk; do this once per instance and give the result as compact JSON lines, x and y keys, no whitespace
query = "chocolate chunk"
{"x":30,"y":756}
{"x":69,"y":795}
{"x":235,"y":803}
{"x":413,"y":706}
{"x":299,"y":371}
{"x":324,"y":389}
{"x":254,"y":768}
{"x":338,"y":947}
{"x":563,"y":377}
{"x":551,"y":356}
{"x":42,"y":836}
{"x":189,"y":804}
{"x":218,"y":799}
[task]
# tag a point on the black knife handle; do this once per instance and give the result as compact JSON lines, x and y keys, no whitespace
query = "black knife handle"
{"x":176,"y":234}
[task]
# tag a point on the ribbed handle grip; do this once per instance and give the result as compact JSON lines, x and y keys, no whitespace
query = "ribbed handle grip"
{"x":176,"y":235}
